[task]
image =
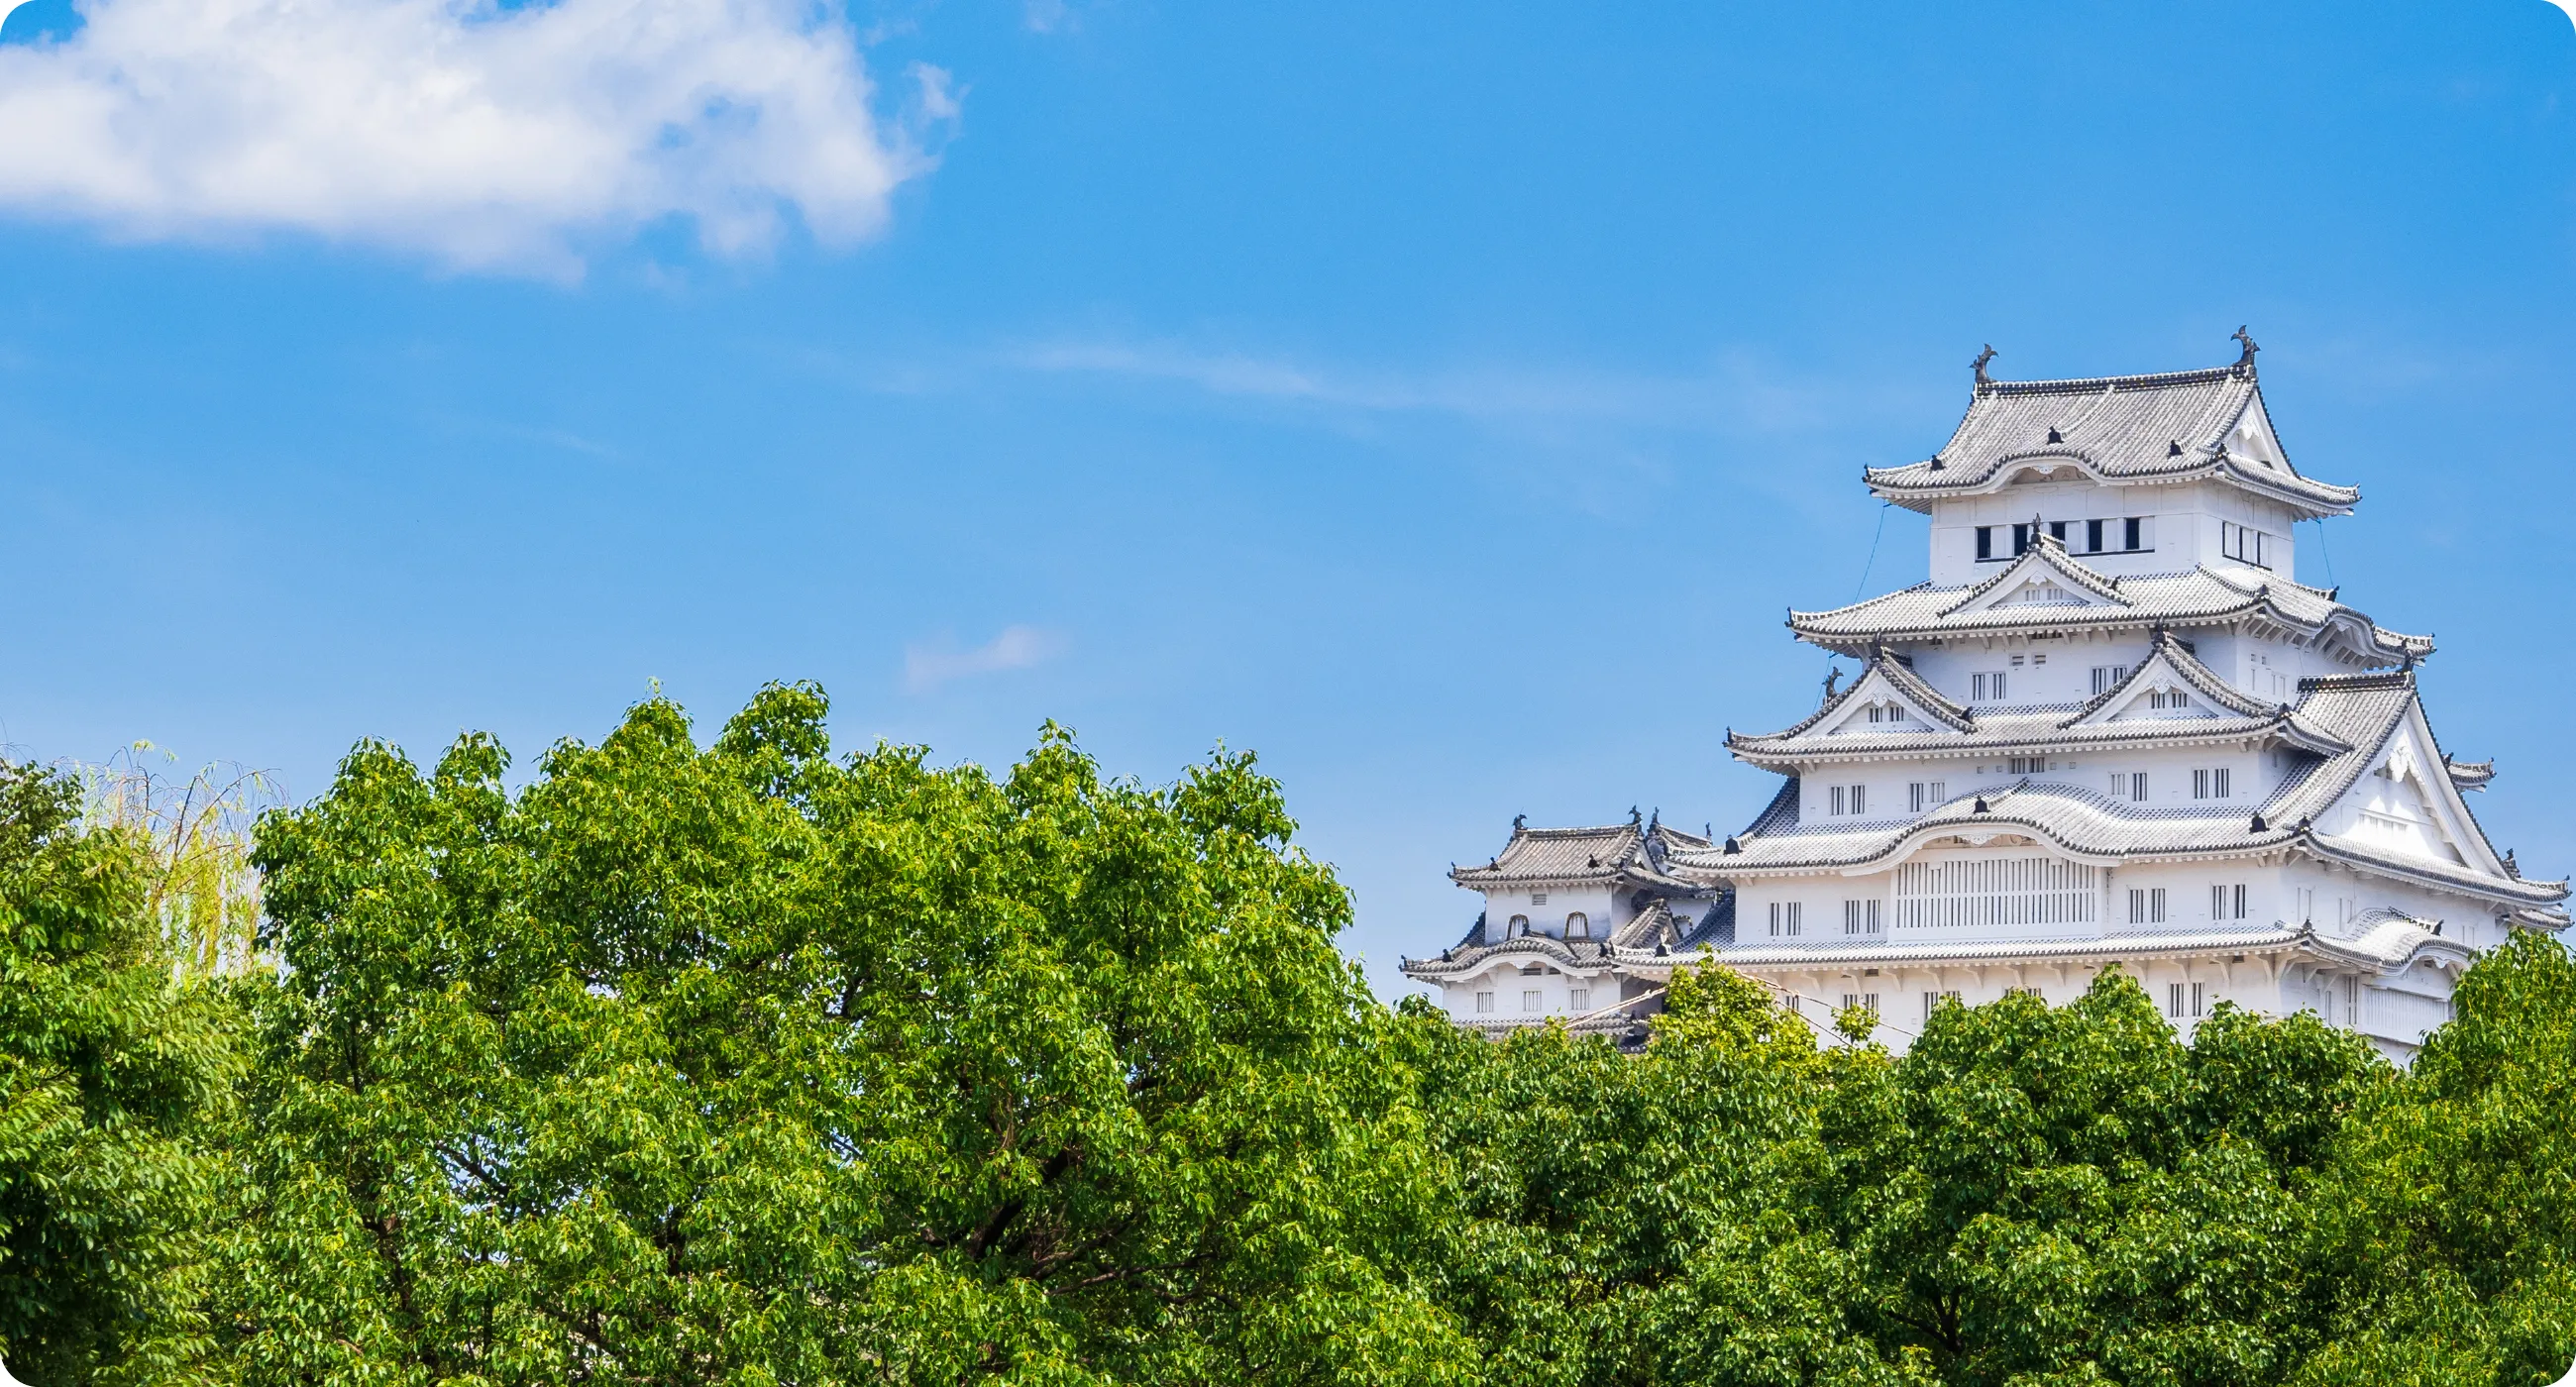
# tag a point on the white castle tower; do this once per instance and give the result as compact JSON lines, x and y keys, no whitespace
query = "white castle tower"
{"x":2112,"y":728}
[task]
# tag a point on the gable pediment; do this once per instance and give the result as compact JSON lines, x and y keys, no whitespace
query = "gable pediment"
{"x":2252,"y":443}
{"x":2169,"y":684}
{"x":2043,"y":578}
{"x":1878,"y":707}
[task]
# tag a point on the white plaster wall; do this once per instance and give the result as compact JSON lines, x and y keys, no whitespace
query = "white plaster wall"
{"x":2182,"y":521}
{"x":2252,"y":775}
{"x":1509,"y":980}
{"x":1598,"y":907}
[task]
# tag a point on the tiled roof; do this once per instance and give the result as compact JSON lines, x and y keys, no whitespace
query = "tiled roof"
{"x":2360,"y":711}
{"x":2390,"y":946}
{"x":1908,"y":685}
{"x":2045,"y":553}
{"x":2117,"y":429}
{"x":2194,"y":597}
{"x":1629,"y":852}
{"x":1579,"y":954}
{"x":2055,"y":727}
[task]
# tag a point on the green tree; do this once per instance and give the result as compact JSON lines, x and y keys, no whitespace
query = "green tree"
{"x":741,"y":1064}
{"x":111,"y":1069}
{"x":2040,"y":1195}
{"x":1642,"y":1219}
{"x":2449,"y":1212}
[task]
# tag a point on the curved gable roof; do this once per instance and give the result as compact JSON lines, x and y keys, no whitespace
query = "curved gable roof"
{"x":2120,"y":430}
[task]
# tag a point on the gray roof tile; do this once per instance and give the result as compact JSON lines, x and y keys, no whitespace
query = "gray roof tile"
{"x":2159,"y":428}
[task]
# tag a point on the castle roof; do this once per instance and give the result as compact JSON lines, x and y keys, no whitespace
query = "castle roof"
{"x":2048,"y":590}
{"x":2362,"y":712}
{"x":2386,"y":946}
{"x":1632,"y":852}
{"x":2225,"y":715}
{"x":2119,"y":430}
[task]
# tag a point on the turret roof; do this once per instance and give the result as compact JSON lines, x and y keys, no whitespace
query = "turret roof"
{"x":2119,"y":430}
{"x":2192,"y":598}
{"x":1632,"y":851}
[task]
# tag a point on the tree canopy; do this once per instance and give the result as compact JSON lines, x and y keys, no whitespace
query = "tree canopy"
{"x":741,"y":1062}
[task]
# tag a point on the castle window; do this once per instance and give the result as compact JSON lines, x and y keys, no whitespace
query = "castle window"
{"x":2021,"y":540}
{"x":2093,"y":536}
{"x":2108,"y":677}
{"x":2147,"y":906}
{"x":1578,"y":926}
{"x":1866,"y":1001}
{"x":2173,"y":1000}
{"x":2134,"y":530}
{"x":1533,"y":1000}
{"x":2227,"y":902}
{"x":1987,"y":687}
{"x":1538,"y":898}
{"x":1484,"y":1001}
{"x":1934,"y":1001}
{"x":1926,"y":794}
{"x":2028,"y":765}
{"x":2244,"y":544}
{"x":1848,"y":799}
{"x":1519,"y":926}
{"x":2209,"y":783}
{"x":1864,"y":917}
{"x":1784,"y":919}
{"x":1985,"y":542}
{"x":1578,"y":999}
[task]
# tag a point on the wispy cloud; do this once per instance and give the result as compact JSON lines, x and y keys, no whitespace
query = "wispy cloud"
{"x":927,"y":668}
{"x":483,"y":137}
{"x":1732,"y":394}
{"x":1583,"y":436}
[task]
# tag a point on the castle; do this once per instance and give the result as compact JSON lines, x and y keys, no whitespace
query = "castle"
{"x":2112,"y":728}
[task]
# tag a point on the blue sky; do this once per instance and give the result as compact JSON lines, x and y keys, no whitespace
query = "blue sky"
{"x":1444,"y":401}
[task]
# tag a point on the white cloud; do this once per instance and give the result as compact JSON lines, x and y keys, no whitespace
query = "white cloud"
{"x":926,"y":668}
{"x":1733,"y":395}
{"x":483,"y":138}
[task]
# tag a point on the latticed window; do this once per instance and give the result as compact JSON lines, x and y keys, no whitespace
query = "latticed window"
{"x":1578,"y":926}
{"x":1973,"y":893}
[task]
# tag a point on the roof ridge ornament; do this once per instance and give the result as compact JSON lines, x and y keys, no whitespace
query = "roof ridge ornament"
{"x":2245,"y":363}
{"x":1979,"y":365}
{"x":1520,"y":822}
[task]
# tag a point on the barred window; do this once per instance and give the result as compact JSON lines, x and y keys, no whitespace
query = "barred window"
{"x":1977,"y":892}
